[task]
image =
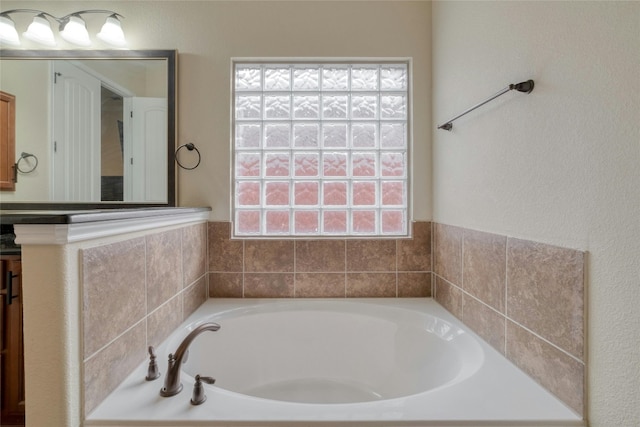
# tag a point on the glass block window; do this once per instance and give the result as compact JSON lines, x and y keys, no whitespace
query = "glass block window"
{"x":320,"y":149}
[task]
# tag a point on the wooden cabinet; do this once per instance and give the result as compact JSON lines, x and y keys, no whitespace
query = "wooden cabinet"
{"x":11,"y":340}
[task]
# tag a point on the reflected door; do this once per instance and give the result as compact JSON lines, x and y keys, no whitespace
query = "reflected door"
{"x":145,"y":173}
{"x":76,"y":134}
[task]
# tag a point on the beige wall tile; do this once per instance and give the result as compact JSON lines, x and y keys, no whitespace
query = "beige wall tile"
{"x":114,"y":291}
{"x":320,"y":256}
{"x":194,"y":252}
{"x":224,"y":254}
{"x":415,"y":254}
{"x":484,"y":267}
{"x":448,"y":253}
{"x":225,"y":285}
{"x":194,"y":296}
{"x":374,"y":285}
{"x":414,"y":284}
{"x":484,"y":321}
{"x":546,"y":292}
{"x":109,"y":367}
{"x":552,"y":368}
{"x":268,"y":285}
{"x":269,"y":256}
{"x":371,"y":255}
{"x":164,"y":320}
{"x":449,"y":296}
{"x":320,"y":285}
{"x":164,"y":267}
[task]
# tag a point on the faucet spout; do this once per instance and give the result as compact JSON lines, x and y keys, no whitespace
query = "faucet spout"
{"x":172,"y":384}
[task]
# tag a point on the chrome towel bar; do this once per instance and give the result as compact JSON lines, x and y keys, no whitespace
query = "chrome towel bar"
{"x":525,"y":87}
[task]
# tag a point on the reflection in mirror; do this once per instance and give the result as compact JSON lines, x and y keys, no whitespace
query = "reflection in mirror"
{"x":102,"y":129}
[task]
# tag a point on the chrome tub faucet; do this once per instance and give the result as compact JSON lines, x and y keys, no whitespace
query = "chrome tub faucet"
{"x":172,"y":384}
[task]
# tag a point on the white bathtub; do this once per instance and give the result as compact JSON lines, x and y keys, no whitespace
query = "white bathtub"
{"x":336,"y":362}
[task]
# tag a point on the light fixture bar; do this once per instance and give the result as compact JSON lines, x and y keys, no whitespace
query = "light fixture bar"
{"x":72,"y":28}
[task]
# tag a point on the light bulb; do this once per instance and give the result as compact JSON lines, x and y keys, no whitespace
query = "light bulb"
{"x":75,"y":31}
{"x":40,"y":31}
{"x":112,"y":33}
{"x":8,"y":33}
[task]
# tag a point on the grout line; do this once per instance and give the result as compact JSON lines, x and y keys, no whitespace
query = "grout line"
{"x":243,"y":265}
{"x":345,"y":267}
{"x":146,"y":296}
{"x":506,"y":290}
{"x":547,"y":341}
{"x":144,"y":319}
{"x":462,"y":272}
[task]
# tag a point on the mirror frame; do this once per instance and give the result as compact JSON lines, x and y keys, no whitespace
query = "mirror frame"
{"x":171,"y":57}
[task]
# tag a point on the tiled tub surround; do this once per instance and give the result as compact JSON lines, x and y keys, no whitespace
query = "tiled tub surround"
{"x":524,"y":298}
{"x":135,"y":293}
{"x":319,"y":268}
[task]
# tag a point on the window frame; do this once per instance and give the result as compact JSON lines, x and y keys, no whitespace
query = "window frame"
{"x":349,"y":179}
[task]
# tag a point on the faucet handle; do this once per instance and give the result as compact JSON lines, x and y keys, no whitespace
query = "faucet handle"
{"x":198,"y":391}
{"x":153,"y":372}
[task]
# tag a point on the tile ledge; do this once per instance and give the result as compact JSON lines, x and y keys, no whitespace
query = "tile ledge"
{"x":60,"y":234}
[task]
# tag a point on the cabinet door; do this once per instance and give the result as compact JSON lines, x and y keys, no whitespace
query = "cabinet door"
{"x":12,"y":377}
{"x":7,"y":141}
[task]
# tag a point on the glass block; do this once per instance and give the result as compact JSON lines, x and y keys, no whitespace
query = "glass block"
{"x":277,"y":135}
{"x":306,"y":222}
{"x":363,"y":135}
{"x":363,"y":164}
{"x":392,"y":193}
{"x":364,"y":78}
{"x":393,"y":106}
{"x":306,"y":164}
{"x":363,"y":193}
{"x":334,"y":222}
{"x":364,"y":107}
{"x":277,"y":222}
{"x":306,"y":135}
{"x":392,"y":164}
{"x":248,"y":193}
{"x":306,"y":78}
{"x":277,"y":79}
{"x":247,"y":222}
{"x":248,"y":107}
{"x":334,"y":193}
{"x":363,"y":222}
{"x":334,"y":135}
{"x":392,"y":222}
{"x":248,"y":78}
{"x":306,"y":192}
{"x":247,"y":164}
{"x":334,"y":106}
{"x":306,"y":106}
{"x":393,"y":135}
{"x":335,"y":78}
{"x":276,"y":164}
{"x":276,"y":193}
{"x":277,"y":107}
{"x":334,"y":164}
{"x":248,"y":135}
{"x":393,"y":77}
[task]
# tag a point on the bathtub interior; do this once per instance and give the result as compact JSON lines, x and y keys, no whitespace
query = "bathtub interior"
{"x":331,"y":352}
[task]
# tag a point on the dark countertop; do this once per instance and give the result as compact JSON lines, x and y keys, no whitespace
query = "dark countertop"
{"x":93,"y":215}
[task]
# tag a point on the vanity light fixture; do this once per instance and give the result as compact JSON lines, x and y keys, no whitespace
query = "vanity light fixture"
{"x":72,"y":28}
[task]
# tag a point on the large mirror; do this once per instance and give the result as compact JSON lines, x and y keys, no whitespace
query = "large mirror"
{"x":93,"y":128}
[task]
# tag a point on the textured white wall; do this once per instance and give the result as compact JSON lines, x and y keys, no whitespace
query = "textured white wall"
{"x":560,"y":165}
